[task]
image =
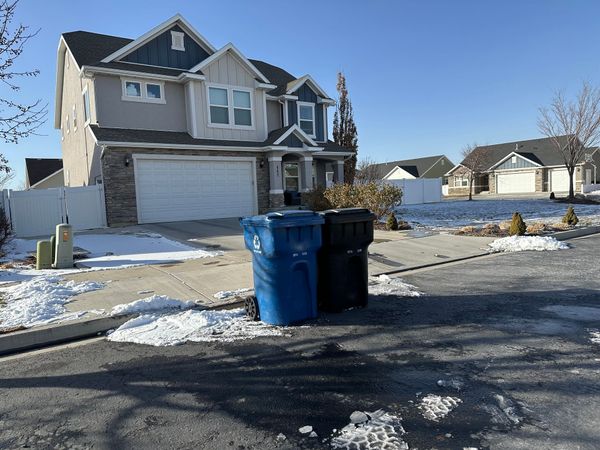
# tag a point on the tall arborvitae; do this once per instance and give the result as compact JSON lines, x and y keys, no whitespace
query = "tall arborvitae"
{"x":344,"y":128}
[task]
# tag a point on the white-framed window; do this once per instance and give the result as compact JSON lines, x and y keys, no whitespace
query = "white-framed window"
{"x":461,"y":181}
{"x":177,"y":41}
{"x":513,"y":159}
{"x":291,"y":177}
{"x":306,"y":118}
{"x":143,"y":91}
{"x":86,"y":105}
{"x":74,"y":118}
{"x":230,"y":107}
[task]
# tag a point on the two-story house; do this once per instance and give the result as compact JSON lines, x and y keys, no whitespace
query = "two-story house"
{"x":176,"y":129}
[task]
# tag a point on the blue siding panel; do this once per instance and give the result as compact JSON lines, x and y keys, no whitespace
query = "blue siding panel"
{"x":292,"y":141}
{"x":158,"y":52}
{"x":520,"y":164}
{"x":292,"y":112}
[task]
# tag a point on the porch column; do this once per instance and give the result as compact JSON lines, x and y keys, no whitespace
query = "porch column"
{"x":275,"y":182}
{"x":338,"y":171}
{"x":306,"y":173}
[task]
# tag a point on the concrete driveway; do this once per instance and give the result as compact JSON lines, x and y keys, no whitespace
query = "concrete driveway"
{"x":221,"y":234}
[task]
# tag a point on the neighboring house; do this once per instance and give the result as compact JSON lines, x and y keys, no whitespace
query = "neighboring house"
{"x":43,"y":173}
{"x":176,"y":129}
{"x":523,"y":167}
{"x":409,"y":169}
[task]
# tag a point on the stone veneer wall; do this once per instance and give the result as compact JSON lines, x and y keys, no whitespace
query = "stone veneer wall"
{"x":539,"y":180}
{"x":119,"y":180}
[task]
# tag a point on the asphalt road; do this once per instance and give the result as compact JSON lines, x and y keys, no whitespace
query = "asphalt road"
{"x":528,"y":376}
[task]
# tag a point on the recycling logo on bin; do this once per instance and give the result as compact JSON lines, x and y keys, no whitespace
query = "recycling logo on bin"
{"x":256,"y":244}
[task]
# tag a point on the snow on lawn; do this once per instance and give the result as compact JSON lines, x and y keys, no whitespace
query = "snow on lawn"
{"x":523,"y":243}
{"x":434,"y":407}
{"x":193,"y":325}
{"x":370,"y":430}
{"x":594,"y":336}
{"x":40,"y":301}
{"x":154,"y":303}
{"x":107,"y":251}
{"x":459,"y":213}
{"x":384,"y":285}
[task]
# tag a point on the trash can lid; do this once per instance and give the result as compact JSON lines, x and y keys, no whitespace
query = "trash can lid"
{"x":288,"y":218}
{"x":345,"y":215}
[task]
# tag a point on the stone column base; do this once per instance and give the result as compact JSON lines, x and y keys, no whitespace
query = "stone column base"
{"x":276,"y":201}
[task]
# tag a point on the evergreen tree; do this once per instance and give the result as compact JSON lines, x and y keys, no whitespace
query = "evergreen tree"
{"x":344,"y":128}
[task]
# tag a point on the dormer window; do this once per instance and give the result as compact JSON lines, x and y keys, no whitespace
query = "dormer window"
{"x":177,"y":41}
{"x":306,"y":118}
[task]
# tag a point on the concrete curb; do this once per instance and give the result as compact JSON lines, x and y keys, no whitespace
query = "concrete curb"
{"x":46,"y":336}
{"x":577,"y":232}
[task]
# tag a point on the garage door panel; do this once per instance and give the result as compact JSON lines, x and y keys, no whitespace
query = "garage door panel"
{"x":559,"y":180}
{"x":172,"y":190}
{"x":515,"y":183}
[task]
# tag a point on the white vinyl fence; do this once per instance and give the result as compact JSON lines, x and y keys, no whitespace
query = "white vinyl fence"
{"x":36,"y":212}
{"x":586,"y":188}
{"x":420,"y":190}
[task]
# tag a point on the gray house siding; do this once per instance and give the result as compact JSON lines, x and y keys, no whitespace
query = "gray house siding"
{"x":112,"y":111}
{"x":274,"y":120}
{"x":520,"y":164}
{"x":158,"y":52}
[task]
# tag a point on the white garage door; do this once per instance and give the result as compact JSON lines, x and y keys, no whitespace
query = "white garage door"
{"x":170,"y":190}
{"x":515,"y":183}
{"x":559,"y":180}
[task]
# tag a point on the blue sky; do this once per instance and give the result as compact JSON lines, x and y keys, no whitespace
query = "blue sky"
{"x":425,"y":77}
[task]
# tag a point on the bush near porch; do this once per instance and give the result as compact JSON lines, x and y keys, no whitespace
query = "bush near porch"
{"x":379,"y":198}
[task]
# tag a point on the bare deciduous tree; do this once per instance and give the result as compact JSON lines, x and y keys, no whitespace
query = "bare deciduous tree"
{"x":17,"y":120}
{"x":366,"y":171}
{"x":474,"y":164}
{"x":573,"y":126}
{"x":5,"y":178}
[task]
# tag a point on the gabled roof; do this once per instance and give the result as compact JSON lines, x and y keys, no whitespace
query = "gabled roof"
{"x":541,"y":151}
{"x":238,"y":55}
{"x":41,"y":168}
{"x":294,"y":85}
{"x":276,"y":75}
{"x":146,"y":37}
{"x":296,"y":130}
{"x":416,"y":167}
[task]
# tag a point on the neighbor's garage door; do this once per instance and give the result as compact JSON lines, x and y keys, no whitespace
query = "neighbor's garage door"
{"x":515,"y":183}
{"x":559,"y":180}
{"x":169,"y":190}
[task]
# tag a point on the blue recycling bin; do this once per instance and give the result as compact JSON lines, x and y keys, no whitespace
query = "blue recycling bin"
{"x":284,"y":249}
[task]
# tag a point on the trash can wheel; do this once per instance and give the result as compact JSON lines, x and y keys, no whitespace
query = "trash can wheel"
{"x":251,"y":307}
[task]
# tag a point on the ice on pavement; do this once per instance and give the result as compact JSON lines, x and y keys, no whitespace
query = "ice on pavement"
{"x":523,"y":243}
{"x":594,"y":336}
{"x":385,"y":285}
{"x":305,"y":429}
{"x":452,"y":383}
{"x":435,"y":407}
{"x":508,"y":408}
{"x":380,"y":430}
{"x":581,"y":313}
{"x":222,"y":295}
{"x":40,"y":300}
{"x":154,"y":303}
{"x":193,"y":326}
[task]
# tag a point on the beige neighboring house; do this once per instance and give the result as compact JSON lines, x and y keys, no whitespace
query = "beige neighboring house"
{"x":176,"y":129}
{"x":43,"y":173}
{"x":523,"y":167}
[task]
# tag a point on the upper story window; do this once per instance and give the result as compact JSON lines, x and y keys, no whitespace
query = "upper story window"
{"x":143,"y":91}
{"x":230,"y":107}
{"x":306,"y":118}
{"x":177,"y":41}
{"x":86,"y":105}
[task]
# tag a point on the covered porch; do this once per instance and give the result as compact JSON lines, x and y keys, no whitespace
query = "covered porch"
{"x":292,"y":172}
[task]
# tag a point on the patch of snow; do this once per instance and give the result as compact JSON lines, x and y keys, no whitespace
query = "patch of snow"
{"x":380,"y":431}
{"x":508,"y":408}
{"x":281,"y":437}
{"x":193,"y":326}
{"x":358,"y":417}
{"x":435,"y":407}
{"x":222,"y":295}
{"x":385,"y":285}
{"x":313,"y":434}
{"x":594,"y":336}
{"x":582,"y":313}
{"x":524,"y":243}
{"x":305,"y":429}
{"x":453,"y":383}
{"x":40,"y":301}
{"x":154,"y":303}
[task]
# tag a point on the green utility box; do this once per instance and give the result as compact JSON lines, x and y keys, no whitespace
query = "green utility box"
{"x":63,"y":258}
{"x":43,"y":258}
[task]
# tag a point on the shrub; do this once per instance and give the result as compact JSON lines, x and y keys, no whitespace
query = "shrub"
{"x":392,"y":223}
{"x":570,"y":217}
{"x":378,"y":198}
{"x":517,"y":226}
{"x":4,"y":230}
{"x":316,"y":200}
{"x":552,"y":196}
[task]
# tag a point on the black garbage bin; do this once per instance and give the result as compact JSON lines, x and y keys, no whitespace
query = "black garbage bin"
{"x":343,"y":259}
